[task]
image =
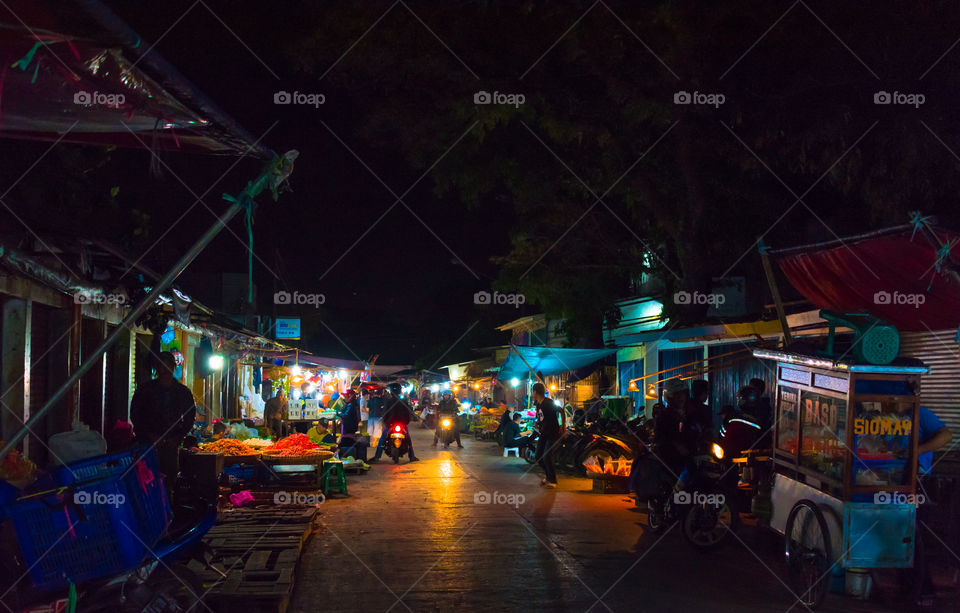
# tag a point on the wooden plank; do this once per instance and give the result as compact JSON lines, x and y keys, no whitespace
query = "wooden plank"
{"x":257,"y":561}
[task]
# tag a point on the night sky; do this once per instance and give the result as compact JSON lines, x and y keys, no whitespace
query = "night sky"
{"x":800,"y":151}
{"x":391,"y":286}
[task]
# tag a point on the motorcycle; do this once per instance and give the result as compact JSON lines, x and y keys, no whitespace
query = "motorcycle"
{"x":610,"y":442}
{"x":726,"y":488}
{"x":428,"y":415}
{"x":710,"y":499}
{"x":528,"y":450}
{"x":447,"y":433}
{"x":399,"y":441}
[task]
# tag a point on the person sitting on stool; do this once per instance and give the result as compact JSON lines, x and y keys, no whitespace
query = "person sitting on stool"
{"x":512,"y":437}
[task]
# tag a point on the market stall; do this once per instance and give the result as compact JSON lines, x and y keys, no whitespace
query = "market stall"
{"x":845,"y":462}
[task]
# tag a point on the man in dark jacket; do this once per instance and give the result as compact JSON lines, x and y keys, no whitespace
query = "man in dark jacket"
{"x":350,"y":415}
{"x":504,"y":419}
{"x":448,"y":409}
{"x":163,"y":411}
{"x":274,"y":412}
{"x":511,"y":433}
{"x":396,"y":412}
{"x":548,"y":423}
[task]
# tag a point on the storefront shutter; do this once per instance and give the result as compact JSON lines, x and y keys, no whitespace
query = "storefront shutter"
{"x":940,"y":388}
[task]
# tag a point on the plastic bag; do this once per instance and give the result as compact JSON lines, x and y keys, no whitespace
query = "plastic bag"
{"x":79,"y":443}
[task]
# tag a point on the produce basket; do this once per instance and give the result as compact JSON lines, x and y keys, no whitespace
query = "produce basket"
{"x":233,"y":460}
{"x":311,"y":458}
{"x":105,"y":516}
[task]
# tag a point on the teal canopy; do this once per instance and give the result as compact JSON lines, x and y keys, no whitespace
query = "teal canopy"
{"x":547,"y":361}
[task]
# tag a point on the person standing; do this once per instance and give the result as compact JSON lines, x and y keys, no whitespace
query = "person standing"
{"x":505,"y":418}
{"x":548,"y":423}
{"x":932,"y":435}
{"x":375,"y":408}
{"x":273,"y":413}
{"x":163,"y":412}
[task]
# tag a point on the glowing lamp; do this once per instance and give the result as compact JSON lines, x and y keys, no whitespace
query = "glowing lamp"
{"x":476,"y":386}
{"x":553,"y":387}
{"x":633,"y":387}
{"x":215,"y":362}
{"x":396,"y":428}
{"x":342,"y":374}
{"x":434,"y":388}
{"x":651,"y":392}
{"x":456,"y":388}
{"x":446,"y":423}
{"x":514,"y":382}
{"x":295,"y":371}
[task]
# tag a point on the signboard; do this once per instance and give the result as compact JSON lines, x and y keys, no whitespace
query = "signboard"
{"x":288,"y":327}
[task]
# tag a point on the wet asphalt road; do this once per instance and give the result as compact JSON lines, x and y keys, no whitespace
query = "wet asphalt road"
{"x":418,"y":537}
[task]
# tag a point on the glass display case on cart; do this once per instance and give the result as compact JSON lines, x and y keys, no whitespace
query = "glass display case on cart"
{"x":845,"y":463}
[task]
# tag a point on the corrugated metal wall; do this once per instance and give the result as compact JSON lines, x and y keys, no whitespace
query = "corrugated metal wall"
{"x":728,"y":374}
{"x":940,"y":388}
{"x":631,"y":370}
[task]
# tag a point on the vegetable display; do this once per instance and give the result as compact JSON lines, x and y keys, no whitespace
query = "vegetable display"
{"x":16,"y":468}
{"x":293,"y":445}
{"x":229,"y":447}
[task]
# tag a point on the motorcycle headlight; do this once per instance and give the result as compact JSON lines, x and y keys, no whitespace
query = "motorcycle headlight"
{"x":717,"y":451}
{"x":446,"y":423}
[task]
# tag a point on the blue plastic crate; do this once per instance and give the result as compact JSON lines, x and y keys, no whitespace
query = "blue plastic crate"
{"x":112,"y":513}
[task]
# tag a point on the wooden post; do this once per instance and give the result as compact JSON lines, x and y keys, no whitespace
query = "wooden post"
{"x":15,"y":361}
{"x":777,"y":301}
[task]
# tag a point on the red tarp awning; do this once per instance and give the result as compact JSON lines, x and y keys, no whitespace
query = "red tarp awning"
{"x":892,"y":275}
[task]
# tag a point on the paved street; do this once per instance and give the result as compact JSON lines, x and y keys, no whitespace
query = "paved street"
{"x":411,"y":537}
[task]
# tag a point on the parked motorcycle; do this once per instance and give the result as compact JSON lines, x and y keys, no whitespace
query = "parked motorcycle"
{"x":609,"y":442}
{"x":528,"y":450}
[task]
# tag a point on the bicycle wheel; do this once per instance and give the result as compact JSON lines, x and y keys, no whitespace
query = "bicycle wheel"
{"x":808,"y":554}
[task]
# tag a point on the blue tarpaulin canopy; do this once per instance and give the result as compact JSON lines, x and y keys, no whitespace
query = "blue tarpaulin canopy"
{"x":547,"y":360}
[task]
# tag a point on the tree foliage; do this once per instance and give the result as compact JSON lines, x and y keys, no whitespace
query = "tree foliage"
{"x":607,"y":175}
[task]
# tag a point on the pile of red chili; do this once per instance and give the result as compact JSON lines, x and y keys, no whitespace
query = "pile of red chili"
{"x":293,"y":445}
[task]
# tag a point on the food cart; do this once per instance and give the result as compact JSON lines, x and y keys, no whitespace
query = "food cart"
{"x":845,"y":466}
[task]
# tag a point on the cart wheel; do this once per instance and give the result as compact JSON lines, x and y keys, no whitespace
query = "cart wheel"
{"x":808,"y":554}
{"x":395,"y":454}
{"x":529,"y":455}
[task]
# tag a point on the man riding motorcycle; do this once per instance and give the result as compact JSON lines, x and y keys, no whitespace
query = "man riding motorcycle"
{"x":745,"y":430}
{"x":671,"y":445}
{"x":396,"y":413}
{"x":448,"y":409}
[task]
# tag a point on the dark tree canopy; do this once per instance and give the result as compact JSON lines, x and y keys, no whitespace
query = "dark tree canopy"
{"x":607,"y":175}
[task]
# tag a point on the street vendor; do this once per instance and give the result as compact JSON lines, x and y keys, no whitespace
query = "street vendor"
{"x":163,"y":411}
{"x":273,"y":413}
{"x":349,"y":414}
{"x":932,"y":435}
